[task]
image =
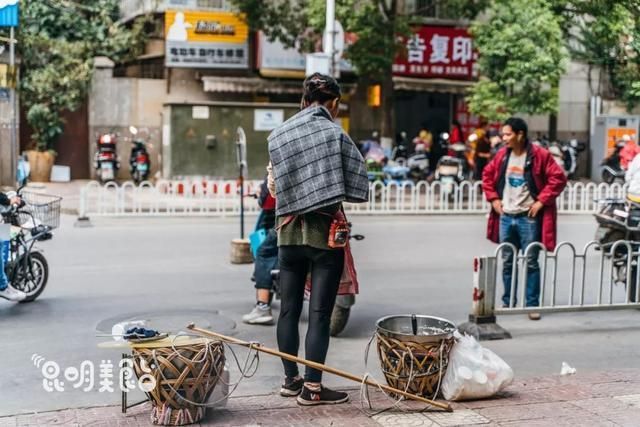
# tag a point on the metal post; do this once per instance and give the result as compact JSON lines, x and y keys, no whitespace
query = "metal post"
{"x":12,"y":100}
{"x":482,"y":321}
{"x":241,"y":199}
{"x":330,"y":29}
{"x":241,"y":147}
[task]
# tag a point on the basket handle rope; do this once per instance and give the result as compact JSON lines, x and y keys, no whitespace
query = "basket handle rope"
{"x":364,"y":387}
{"x":248,"y":370}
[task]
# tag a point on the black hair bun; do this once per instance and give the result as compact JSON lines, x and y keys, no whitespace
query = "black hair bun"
{"x":320,"y":88}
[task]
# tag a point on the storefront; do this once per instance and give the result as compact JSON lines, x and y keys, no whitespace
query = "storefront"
{"x":199,"y":136}
{"x":431,"y":79}
{"x":201,"y":140}
{"x":199,"y":133}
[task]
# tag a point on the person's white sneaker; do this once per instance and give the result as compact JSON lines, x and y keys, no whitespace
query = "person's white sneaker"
{"x":258,"y":316}
{"x":12,"y":294}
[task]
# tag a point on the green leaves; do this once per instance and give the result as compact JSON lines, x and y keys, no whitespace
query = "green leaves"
{"x":521,"y":59}
{"x":301,"y":24}
{"x":57,"y":44}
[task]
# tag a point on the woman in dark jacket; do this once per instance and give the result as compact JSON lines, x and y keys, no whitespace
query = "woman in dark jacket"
{"x":315,"y":167}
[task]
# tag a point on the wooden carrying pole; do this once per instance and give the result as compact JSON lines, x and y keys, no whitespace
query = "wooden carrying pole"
{"x":318,"y":366}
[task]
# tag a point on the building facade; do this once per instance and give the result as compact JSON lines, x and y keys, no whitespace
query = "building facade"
{"x":204,"y":73}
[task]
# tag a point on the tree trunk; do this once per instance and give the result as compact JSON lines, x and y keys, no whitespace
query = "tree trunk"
{"x":387,"y":124}
{"x":553,"y":127}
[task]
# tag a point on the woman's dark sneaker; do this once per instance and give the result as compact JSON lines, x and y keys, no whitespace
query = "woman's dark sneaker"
{"x":323,"y":397}
{"x":291,"y":387}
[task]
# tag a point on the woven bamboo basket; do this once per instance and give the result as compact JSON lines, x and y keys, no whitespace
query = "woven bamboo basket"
{"x":189,"y":372}
{"x":415,"y":362}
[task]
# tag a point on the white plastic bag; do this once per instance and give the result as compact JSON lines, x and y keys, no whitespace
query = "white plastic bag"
{"x":474,"y":372}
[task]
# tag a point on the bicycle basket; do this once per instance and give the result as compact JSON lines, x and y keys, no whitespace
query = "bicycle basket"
{"x":45,"y":209}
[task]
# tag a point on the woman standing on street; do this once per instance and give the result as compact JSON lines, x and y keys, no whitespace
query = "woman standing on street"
{"x":314,"y":167}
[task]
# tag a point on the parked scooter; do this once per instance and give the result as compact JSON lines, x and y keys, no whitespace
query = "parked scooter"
{"x":566,"y":155}
{"x":557,"y":152}
{"x":418,"y":165}
{"x":396,"y":171}
{"x":611,"y":168}
{"x":439,"y":149}
{"x":619,"y":219}
{"x":106,"y":161}
{"x":375,"y":160}
{"x":31,"y":222}
{"x":139,"y":162}
{"x":460,"y":151}
{"x":342,"y":307}
{"x":452,"y":168}
{"x":572,"y":150}
{"x":449,"y":171}
{"x":401,"y":151}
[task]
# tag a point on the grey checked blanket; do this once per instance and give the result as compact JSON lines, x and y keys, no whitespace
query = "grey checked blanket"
{"x":315,"y":164}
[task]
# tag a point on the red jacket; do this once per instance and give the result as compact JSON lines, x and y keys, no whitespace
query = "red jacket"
{"x":545,"y":179}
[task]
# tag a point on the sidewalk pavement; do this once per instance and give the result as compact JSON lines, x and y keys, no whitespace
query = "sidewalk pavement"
{"x":592,"y":399}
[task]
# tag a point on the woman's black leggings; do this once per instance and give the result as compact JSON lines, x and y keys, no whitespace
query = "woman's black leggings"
{"x":326,"y":269}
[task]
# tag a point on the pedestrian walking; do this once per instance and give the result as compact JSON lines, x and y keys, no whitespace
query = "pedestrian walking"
{"x":456,"y":135}
{"x":480,"y":149}
{"x":315,"y":167}
{"x":522,"y":183}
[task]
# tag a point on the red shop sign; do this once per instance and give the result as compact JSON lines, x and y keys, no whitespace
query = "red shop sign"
{"x":432,"y":51}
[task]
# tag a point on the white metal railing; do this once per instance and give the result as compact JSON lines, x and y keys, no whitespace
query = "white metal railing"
{"x":166,"y":198}
{"x":220,"y":198}
{"x":596,"y":278}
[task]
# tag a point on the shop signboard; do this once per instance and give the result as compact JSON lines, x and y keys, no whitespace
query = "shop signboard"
{"x":267,"y":119}
{"x":437,"y":52}
{"x":198,"y":39}
{"x":274,"y":55}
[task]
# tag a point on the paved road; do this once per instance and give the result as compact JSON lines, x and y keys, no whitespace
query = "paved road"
{"x":178,"y":270}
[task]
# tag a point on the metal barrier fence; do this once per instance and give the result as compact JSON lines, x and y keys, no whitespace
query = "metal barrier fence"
{"x":595,"y":278}
{"x":220,"y":198}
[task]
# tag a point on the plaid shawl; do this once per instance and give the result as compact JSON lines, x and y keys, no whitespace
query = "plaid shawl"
{"x":315,"y":164}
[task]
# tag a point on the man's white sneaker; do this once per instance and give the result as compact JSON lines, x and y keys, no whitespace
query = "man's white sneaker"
{"x":259,"y":316}
{"x":12,"y":294}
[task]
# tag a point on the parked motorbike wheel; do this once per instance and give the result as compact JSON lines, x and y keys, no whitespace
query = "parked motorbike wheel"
{"x":33,"y":281}
{"x":339,"y":319}
{"x":606,"y":235}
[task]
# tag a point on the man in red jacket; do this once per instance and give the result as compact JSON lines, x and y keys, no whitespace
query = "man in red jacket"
{"x":522,"y":183}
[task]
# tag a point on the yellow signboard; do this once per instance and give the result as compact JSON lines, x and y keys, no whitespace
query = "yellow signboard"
{"x":206,"y":40}
{"x":7,"y":76}
{"x":205,"y":27}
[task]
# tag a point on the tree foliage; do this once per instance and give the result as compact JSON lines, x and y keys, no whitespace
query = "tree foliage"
{"x":300,"y":24}
{"x":57,"y":41}
{"x":606,"y":35}
{"x":521,"y":57}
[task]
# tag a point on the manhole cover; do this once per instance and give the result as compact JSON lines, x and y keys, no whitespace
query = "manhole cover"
{"x":173,"y":321}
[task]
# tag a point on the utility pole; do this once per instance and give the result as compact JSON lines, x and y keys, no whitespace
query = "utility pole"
{"x":12,"y":100}
{"x":330,"y":31}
